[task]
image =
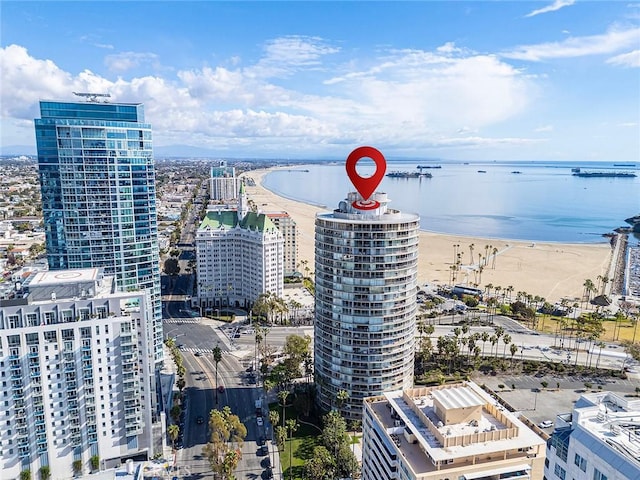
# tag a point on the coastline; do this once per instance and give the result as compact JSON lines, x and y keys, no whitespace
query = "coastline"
{"x":548,"y":269}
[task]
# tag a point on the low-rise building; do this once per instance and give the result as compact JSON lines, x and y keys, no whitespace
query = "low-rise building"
{"x":76,"y":359}
{"x":599,"y":440}
{"x":454,"y":432}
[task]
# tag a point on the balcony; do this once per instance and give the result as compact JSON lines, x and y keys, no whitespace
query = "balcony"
{"x":39,"y":421}
{"x":41,"y":440}
{"x":35,"y":373}
{"x":23,"y":452}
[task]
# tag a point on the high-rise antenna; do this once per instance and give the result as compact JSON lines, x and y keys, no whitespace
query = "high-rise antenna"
{"x":93,"y":97}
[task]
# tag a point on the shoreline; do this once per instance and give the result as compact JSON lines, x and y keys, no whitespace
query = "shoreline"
{"x":264,"y":172}
{"x":553,"y":270}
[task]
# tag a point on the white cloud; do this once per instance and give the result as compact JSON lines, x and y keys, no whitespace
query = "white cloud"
{"x":557,"y":5}
{"x":544,"y":128}
{"x":630,"y":59}
{"x":286,"y":55}
{"x":407,"y":98}
{"x":610,"y":42}
{"x":121,"y":62}
{"x":628,"y":124}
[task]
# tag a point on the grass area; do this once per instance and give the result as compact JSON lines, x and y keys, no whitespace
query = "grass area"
{"x":300,"y":448}
{"x":613,"y":331}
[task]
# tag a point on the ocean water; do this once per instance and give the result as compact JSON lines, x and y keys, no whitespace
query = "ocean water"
{"x":544,"y":202}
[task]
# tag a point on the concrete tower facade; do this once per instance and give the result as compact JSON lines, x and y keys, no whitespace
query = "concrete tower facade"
{"x":366,"y":275}
{"x":97,"y":177}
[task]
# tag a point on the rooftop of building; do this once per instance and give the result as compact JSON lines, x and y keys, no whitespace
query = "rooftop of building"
{"x":453,"y":423}
{"x":228,"y":219}
{"x":610,"y":420}
{"x":61,"y":277}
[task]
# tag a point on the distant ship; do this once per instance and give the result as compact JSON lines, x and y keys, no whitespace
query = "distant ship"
{"x":604,"y":174}
{"x":624,"y":164}
{"x":575,"y":170}
{"x":428,"y":166}
{"x":482,"y":171}
{"x":408,"y":175}
{"x":516,"y":171}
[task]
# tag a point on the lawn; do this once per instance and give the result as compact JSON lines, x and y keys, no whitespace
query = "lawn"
{"x":300,"y":447}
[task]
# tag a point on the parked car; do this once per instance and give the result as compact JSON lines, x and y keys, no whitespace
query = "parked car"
{"x":259,"y":421}
{"x":200,"y":419}
{"x":546,"y":424}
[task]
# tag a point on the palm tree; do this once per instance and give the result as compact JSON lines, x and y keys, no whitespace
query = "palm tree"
{"x":508,"y":291}
{"x":588,"y":289}
{"x":292,"y":426}
{"x":484,"y":338}
{"x":506,"y":340}
{"x":282,"y":396}
{"x":495,"y":254}
{"x":217,"y":357}
{"x":489,"y":287}
{"x":341,"y":397}
{"x":173,"y":431}
{"x":513,"y":349}
{"x":471,"y":246}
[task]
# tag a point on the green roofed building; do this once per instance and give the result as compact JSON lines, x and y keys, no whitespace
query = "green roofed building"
{"x":240,"y":254}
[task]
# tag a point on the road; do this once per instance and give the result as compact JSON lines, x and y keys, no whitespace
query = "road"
{"x":238,"y":393}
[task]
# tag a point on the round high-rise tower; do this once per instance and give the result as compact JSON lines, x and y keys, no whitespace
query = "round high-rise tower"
{"x":366,"y":274}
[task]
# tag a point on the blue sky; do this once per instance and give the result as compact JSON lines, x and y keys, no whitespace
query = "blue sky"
{"x":547,"y":80}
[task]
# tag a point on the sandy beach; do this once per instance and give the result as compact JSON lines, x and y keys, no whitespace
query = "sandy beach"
{"x":550,"y":270}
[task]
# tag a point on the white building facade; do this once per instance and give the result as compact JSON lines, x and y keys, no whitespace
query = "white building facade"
{"x":239,"y":255}
{"x":449,"y":432}
{"x":75,"y":359}
{"x":224,"y":183}
{"x":289,"y":232}
{"x":599,"y":440}
{"x":366,"y":264}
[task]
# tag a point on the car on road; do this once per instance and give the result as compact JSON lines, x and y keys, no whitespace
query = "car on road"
{"x":200,"y":420}
{"x":259,"y":421}
{"x":546,"y":424}
{"x":198,"y":354}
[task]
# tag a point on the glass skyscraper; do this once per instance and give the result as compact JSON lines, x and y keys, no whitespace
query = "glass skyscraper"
{"x":97,"y":177}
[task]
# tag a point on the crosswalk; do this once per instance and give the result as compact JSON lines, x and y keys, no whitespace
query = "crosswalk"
{"x":196,"y":350}
{"x":182,"y":320}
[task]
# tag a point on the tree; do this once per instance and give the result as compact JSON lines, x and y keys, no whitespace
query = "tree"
{"x":341,"y":397}
{"x":45,"y":472}
{"x":95,"y":462}
{"x":171,"y":266}
{"x":282,"y":396}
{"x":77,"y":467}
{"x":174,"y":432}
{"x":25,"y":474}
{"x":217,"y":357}
{"x":336,"y":439}
{"x":225,"y":443}
{"x":292,"y":426}
{"x":321,"y":466}
{"x":513,"y":349}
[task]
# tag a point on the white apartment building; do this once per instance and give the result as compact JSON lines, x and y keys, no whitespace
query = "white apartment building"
{"x":599,"y":440}
{"x":239,"y":255}
{"x":287,"y":228}
{"x":224,"y":183}
{"x":76,"y":359}
{"x":449,"y":432}
{"x":366,"y":266}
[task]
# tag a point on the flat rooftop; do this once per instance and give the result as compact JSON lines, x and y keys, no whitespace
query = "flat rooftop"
{"x":495,"y":431}
{"x":61,"y":277}
{"x":613,"y":420}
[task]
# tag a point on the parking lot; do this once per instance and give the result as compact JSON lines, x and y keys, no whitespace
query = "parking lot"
{"x":540,"y":404}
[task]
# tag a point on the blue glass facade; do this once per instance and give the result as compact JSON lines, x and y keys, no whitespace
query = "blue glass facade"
{"x":97,"y":177}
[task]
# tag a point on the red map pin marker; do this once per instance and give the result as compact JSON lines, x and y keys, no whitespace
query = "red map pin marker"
{"x":366,"y":186}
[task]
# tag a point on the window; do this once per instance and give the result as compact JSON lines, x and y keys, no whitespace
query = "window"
{"x":598,"y":475}
{"x":580,"y":462}
{"x":560,"y":472}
